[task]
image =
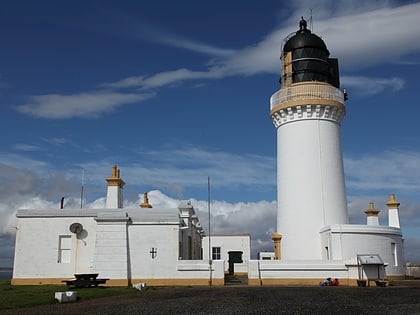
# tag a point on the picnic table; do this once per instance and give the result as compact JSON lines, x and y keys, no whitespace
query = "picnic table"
{"x":85,"y":280}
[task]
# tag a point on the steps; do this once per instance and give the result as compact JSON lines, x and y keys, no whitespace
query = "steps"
{"x":235,"y":280}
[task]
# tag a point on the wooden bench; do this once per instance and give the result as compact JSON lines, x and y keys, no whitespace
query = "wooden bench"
{"x":85,"y":280}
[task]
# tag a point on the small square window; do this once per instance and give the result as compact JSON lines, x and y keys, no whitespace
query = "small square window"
{"x":216,"y":253}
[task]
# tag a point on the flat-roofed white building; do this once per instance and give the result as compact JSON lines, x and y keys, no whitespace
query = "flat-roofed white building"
{"x":157,"y":246}
{"x":230,"y":248}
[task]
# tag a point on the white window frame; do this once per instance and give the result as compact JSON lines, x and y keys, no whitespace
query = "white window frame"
{"x":216,"y":253}
{"x":64,"y":249}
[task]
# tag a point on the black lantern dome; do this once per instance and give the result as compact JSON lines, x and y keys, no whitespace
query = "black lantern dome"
{"x":304,"y":38}
{"x":310,"y":57}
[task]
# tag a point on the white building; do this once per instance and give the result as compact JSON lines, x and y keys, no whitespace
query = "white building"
{"x":232,"y":249}
{"x":314,"y":239}
{"x":127,"y":246}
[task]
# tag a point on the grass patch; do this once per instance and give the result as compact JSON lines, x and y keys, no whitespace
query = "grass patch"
{"x":18,"y":296}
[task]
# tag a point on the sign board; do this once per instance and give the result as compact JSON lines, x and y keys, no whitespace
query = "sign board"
{"x":373,"y":259}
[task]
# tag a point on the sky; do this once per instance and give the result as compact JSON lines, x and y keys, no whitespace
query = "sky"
{"x":176,"y":92}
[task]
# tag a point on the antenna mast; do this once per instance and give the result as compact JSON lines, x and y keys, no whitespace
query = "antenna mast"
{"x":311,"y":22}
{"x":210,"y":250}
{"x":83,"y":185}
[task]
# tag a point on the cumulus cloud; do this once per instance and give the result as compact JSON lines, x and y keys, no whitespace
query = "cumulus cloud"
{"x":30,"y":181}
{"x":256,"y":218}
{"x":24,"y":188}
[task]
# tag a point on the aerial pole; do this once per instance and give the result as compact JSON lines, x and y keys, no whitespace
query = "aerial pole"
{"x":208,"y":207}
{"x":82,"y":191}
{"x":311,"y":22}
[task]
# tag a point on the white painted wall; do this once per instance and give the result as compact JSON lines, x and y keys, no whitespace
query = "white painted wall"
{"x":349,"y":240}
{"x":345,"y":242}
{"x":240,"y":242}
{"x":111,"y":249}
{"x":164,"y":238}
{"x":111,"y":244}
{"x":37,"y":245}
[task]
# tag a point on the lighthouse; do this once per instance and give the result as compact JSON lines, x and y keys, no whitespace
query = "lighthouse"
{"x":307,"y":112}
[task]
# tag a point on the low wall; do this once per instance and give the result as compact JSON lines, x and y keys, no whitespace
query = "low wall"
{"x":413,"y":270}
{"x":199,"y":269}
{"x":276,"y":272}
{"x":188,"y":273}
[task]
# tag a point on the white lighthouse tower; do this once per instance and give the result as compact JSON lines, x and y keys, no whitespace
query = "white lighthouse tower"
{"x":307,"y":112}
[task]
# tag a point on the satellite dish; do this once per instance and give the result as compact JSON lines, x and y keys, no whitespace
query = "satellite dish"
{"x":76,"y":228}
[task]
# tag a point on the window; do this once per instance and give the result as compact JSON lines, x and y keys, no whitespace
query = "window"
{"x":394,"y":253}
{"x":216,"y":253}
{"x":64,"y":249}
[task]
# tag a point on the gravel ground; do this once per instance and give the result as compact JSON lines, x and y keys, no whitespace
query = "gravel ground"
{"x":246,"y":300}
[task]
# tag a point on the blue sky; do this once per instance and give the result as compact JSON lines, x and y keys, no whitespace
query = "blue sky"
{"x":174,"y":92}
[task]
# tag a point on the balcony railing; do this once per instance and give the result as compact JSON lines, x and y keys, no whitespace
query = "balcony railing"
{"x":306,"y":91}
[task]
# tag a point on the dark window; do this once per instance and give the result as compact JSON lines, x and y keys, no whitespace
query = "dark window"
{"x":215,"y":253}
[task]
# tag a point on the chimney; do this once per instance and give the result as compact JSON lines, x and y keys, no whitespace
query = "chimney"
{"x":276,"y":237}
{"x":145,"y":203}
{"x":114,"y":196}
{"x":372,"y":215}
{"x":393,"y":216}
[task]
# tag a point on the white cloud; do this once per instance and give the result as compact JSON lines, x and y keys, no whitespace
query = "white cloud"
{"x":140,"y":29}
{"x":373,"y":37}
{"x":360,"y":36}
{"x":256,"y":218}
{"x":56,"y":141}
{"x":360,"y":39}
{"x":162,"y":79}
{"x":174,"y":168}
{"x":26,"y":147}
{"x":367,"y":86}
{"x":393,"y":171}
{"x":180,"y":173}
{"x":390,"y":170}
{"x":87,"y":104}
{"x":173,"y":40}
{"x":21,"y":162}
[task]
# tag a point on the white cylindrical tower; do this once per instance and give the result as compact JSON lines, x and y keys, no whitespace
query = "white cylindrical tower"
{"x":307,"y":112}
